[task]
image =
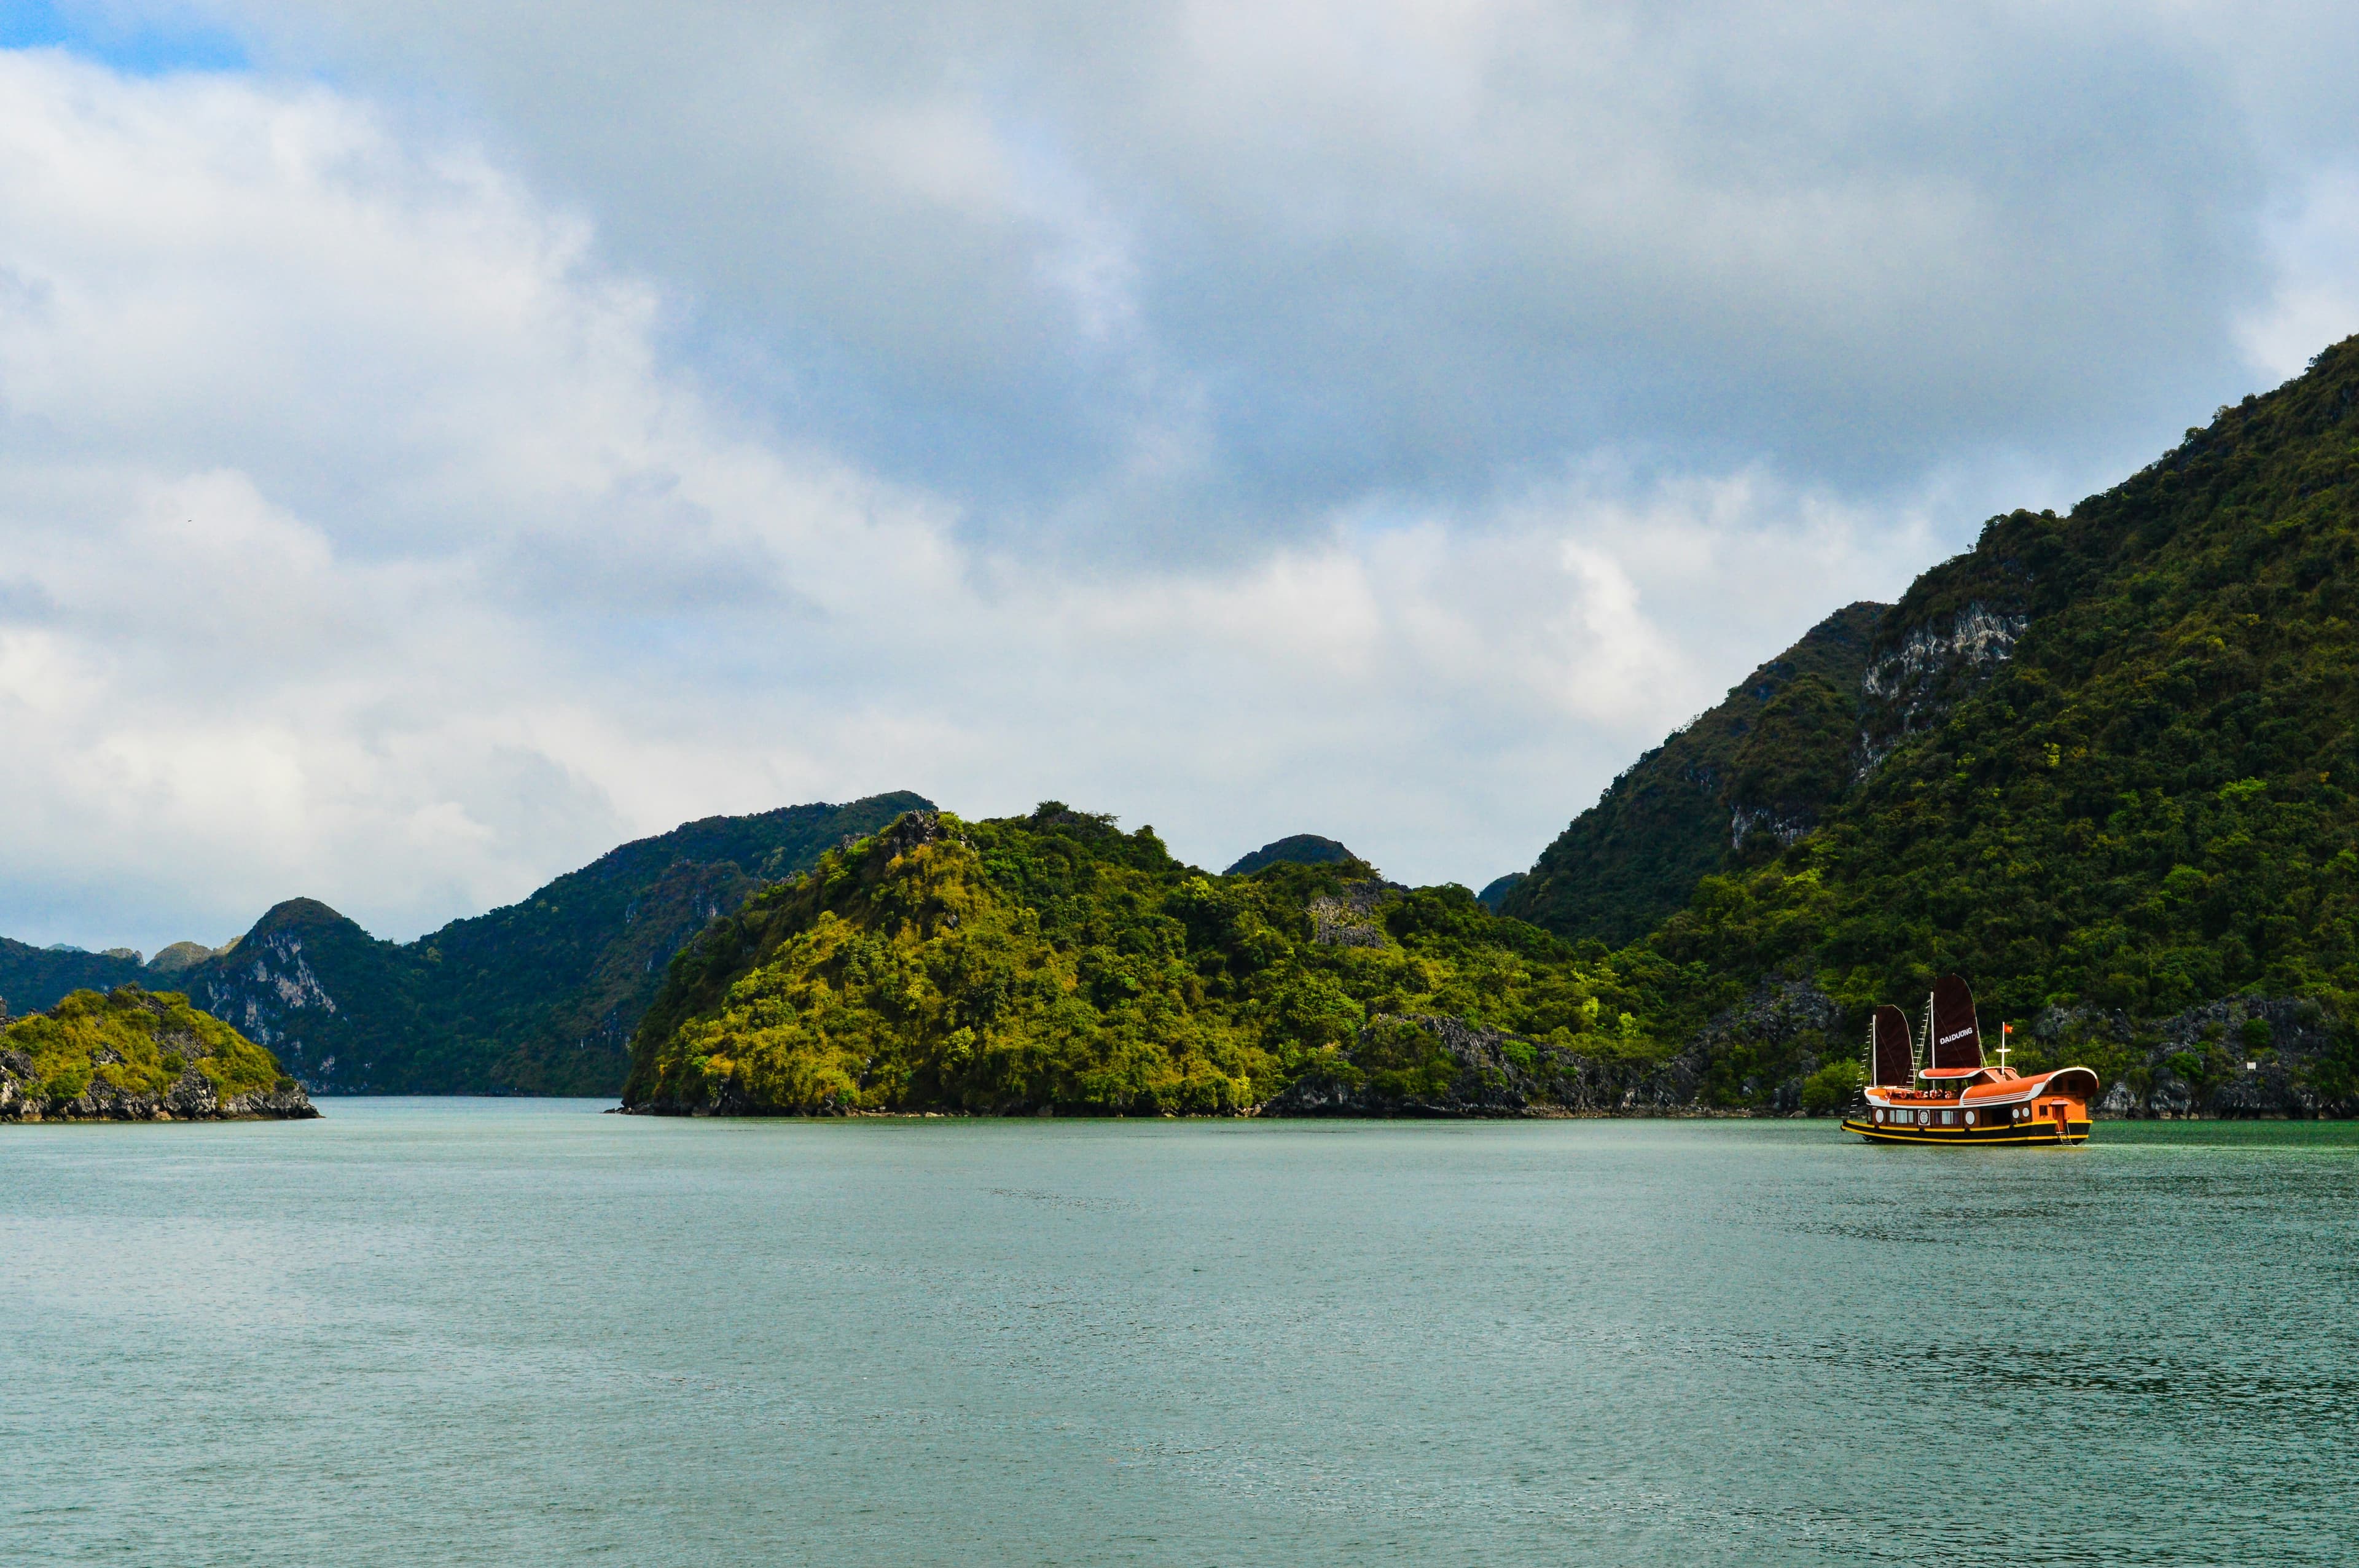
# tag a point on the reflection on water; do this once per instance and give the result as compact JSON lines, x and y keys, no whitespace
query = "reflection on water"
{"x":515,"y":1332}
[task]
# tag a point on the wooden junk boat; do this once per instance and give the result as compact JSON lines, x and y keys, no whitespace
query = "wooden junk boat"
{"x":1955,"y":1097}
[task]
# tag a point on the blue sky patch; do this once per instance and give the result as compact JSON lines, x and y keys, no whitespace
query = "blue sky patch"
{"x":135,"y":47}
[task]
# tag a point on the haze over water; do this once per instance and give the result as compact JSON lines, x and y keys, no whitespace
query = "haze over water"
{"x":512,"y":1332}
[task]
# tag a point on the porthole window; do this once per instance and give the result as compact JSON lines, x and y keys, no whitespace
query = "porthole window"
{"x":1969,"y":1118}
{"x":1924,"y":1118}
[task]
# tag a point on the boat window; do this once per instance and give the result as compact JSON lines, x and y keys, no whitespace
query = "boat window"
{"x":1949,"y":1118}
{"x":1969,"y":1118}
{"x":1924,"y":1118}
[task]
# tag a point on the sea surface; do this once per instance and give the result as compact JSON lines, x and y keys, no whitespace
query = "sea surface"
{"x":514,"y":1332}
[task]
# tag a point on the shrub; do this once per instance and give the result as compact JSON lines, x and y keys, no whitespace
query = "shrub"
{"x":1832,"y":1087}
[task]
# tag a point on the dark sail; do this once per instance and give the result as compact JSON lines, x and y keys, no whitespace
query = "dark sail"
{"x":1895,"y":1059}
{"x":1957,"y":1038}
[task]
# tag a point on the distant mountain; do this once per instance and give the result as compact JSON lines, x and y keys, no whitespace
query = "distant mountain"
{"x":1735,"y":785}
{"x":180,"y":955}
{"x":1299,"y":849}
{"x":538,"y":998}
{"x":33,"y":979}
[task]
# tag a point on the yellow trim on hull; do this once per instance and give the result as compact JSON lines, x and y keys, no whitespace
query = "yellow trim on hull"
{"x":2074,"y":1133}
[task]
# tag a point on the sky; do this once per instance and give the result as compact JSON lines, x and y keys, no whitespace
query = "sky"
{"x":440,"y":441}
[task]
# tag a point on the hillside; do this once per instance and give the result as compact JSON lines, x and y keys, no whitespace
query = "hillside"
{"x":538,"y":997}
{"x":2107,"y":765}
{"x":1733,"y":787}
{"x":134,"y":1055}
{"x":1055,"y":963}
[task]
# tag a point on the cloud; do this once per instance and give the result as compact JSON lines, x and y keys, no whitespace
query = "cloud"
{"x":445,"y":447}
{"x":2313,"y":240}
{"x":1168,"y":281}
{"x":362,"y":542}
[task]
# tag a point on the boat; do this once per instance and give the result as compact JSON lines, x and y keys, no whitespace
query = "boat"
{"x":1954,"y":1096}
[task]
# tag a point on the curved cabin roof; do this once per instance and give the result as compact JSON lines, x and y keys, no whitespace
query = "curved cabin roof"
{"x":2080,"y":1083}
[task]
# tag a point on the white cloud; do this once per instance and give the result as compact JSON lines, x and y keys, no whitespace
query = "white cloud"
{"x":363,"y":543}
{"x":2314,"y":241}
{"x":1165,"y":281}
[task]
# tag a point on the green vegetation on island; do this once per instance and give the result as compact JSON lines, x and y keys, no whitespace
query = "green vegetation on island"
{"x":2107,"y":766}
{"x":1054,"y":962}
{"x":134,"y":1054}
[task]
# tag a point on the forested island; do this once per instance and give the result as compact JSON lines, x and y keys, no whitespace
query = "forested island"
{"x":137,"y":1055}
{"x":1056,"y":963}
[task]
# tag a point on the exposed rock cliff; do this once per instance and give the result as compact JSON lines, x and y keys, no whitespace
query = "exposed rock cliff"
{"x":1350,"y":918}
{"x":1915,"y":681}
{"x":1423,"y":1065}
{"x":2240,"y":1057}
{"x":1759,"y":1052}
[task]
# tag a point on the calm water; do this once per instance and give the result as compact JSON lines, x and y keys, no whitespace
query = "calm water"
{"x":453,"y":1332}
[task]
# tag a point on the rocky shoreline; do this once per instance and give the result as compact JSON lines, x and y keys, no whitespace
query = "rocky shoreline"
{"x":192,"y":1097}
{"x":138,"y":1055}
{"x":1428,"y":1065}
{"x":2240,"y":1059}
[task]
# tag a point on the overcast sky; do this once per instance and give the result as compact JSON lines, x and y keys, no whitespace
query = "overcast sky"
{"x":440,"y":440}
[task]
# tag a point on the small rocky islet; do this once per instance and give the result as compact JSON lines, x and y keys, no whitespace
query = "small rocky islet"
{"x":133,"y":1055}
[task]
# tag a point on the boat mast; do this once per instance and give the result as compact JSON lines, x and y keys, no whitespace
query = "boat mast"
{"x":1920,"y":1071}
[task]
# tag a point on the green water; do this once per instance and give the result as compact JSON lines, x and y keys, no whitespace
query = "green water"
{"x":456,"y":1332}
